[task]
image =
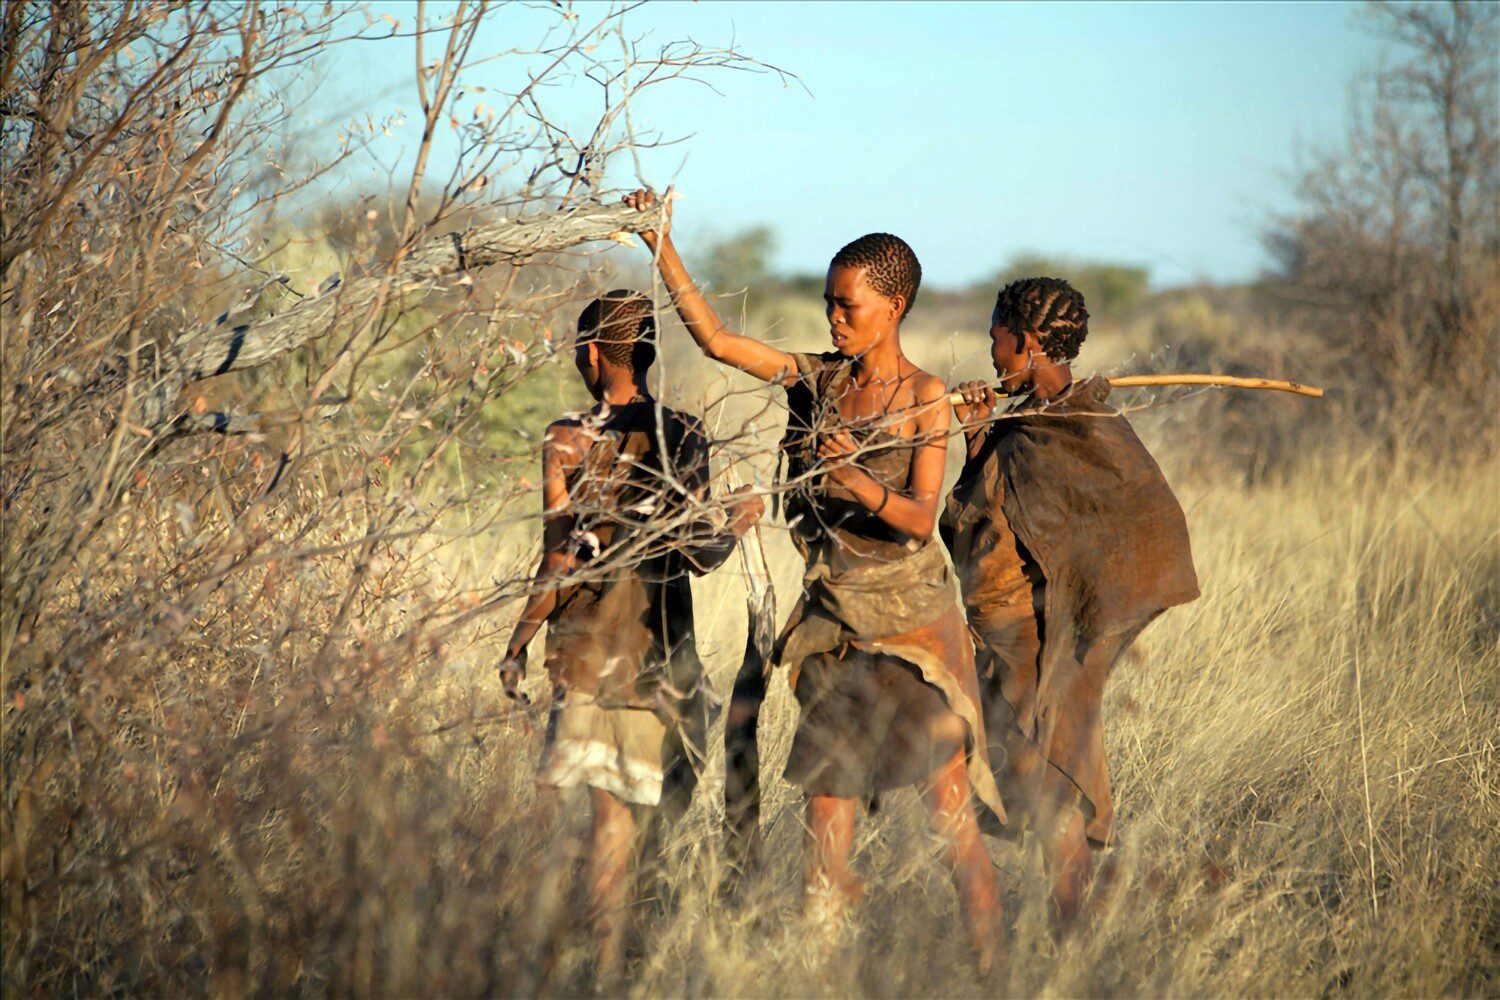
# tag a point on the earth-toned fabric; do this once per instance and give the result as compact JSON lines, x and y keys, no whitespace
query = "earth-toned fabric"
{"x":874,"y":601}
{"x":1068,"y":541}
{"x":868,"y":723}
{"x":620,"y":643}
{"x":616,"y":749}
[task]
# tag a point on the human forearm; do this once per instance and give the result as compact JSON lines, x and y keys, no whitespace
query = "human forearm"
{"x":974,"y":439}
{"x":913,"y":516}
{"x":538,"y":607}
{"x":702,"y":322}
{"x":708,"y":331}
{"x":542,"y":602}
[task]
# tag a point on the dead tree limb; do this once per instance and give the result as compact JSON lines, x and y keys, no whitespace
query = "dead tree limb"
{"x":228,"y":422}
{"x":226,"y":347}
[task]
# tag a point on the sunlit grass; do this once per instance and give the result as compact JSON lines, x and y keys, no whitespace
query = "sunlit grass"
{"x":1305,"y":763}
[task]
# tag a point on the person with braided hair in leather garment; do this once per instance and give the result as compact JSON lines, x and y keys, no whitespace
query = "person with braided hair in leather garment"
{"x":880,"y":662}
{"x":623,"y":487}
{"x":1067,"y":541}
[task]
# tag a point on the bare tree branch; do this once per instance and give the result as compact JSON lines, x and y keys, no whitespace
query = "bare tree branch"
{"x":225,"y":348}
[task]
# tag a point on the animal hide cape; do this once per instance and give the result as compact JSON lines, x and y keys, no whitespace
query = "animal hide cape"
{"x":1090,"y":506}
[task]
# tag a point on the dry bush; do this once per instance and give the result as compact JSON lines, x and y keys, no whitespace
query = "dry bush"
{"x":227,"y":542}
{"x":1392,"y":253}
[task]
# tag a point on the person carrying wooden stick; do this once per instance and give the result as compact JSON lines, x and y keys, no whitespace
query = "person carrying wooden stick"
{"x":879,"y":659}
{"x":626,"y":520}
{"x":1067,"y":541}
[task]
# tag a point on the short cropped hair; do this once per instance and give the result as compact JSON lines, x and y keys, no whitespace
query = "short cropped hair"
{"x":1049,"y":307}
{"x":623,"y":324}
{"x":891,"y":267}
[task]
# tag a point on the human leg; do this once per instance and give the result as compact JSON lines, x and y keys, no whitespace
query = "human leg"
{"x":953,"y":818}
{"x":609,"y":879}
{"x":830,"y":881}
{"x":1070,"y":866}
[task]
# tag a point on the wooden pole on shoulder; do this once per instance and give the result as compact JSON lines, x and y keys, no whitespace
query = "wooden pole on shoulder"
{"x":1133,"y":381}
{"x":1130,"y":381}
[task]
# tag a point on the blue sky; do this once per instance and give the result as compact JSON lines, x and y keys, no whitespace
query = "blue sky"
{"x":1156,"y":134}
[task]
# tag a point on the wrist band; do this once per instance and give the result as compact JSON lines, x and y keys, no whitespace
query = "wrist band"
{"x":883,"y":500}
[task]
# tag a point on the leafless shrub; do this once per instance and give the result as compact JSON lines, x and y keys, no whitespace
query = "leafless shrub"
{"x":1393,"y":254}
{"x":226,"y":544}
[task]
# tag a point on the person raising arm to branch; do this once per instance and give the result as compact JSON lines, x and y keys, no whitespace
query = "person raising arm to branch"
{"x":887,"y":393}
{"x":876,"y":648}
{"x":715,"y":339}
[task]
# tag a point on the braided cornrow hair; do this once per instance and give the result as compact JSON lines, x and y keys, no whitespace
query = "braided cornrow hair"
{"x":891,"y":267}
{"x":623,"y":323}
{"x":1049,"y":307}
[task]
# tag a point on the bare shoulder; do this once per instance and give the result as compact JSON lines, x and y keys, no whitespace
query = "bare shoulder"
{"x":928,"y":388}
{"x":563,"y":431}
{"x":564,"y":440}
{"x":933,"y":413}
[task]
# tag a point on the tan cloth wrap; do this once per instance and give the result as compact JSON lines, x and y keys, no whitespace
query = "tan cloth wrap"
{"x":905,"y":608}
{"x":616,"y":749}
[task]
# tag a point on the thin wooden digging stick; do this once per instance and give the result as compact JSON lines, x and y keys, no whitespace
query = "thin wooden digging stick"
{"x":1133,"y":381}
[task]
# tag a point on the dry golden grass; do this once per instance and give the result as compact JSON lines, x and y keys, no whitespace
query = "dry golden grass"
{"x":1305,"y":759}
{"x":1305,"y":762}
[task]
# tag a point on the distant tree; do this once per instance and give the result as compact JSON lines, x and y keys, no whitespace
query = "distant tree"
{"x":804,"y":285}
{"x":740,"y":261}
{"x":1395,"y":238}
{"x":1109,"y":289}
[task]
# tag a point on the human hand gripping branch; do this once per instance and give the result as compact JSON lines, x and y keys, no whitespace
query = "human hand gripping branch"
{"x":973,"y":402}
{"x":715,"y":339}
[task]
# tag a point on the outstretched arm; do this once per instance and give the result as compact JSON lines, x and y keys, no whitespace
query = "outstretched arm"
{"x":913,"y":512}
{"x":561,"y":450}
{"x":714,"y":338}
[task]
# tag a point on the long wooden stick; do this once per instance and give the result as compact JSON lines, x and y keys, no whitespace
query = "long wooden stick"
{"x":1131,"y":381}
{"x":1127,"y":381}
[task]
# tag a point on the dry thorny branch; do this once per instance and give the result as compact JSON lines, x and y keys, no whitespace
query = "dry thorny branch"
{"x":195,"y":589}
